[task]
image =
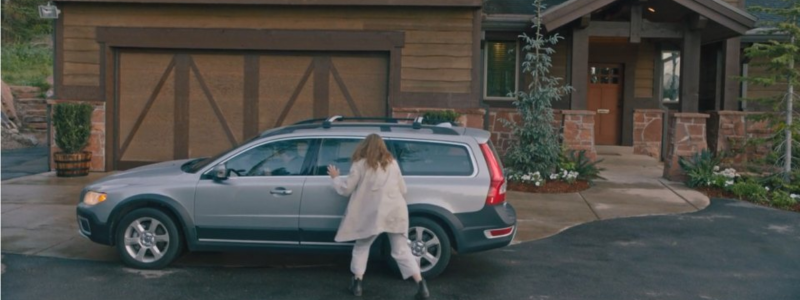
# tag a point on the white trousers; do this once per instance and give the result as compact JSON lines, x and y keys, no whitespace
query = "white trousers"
{"x":400,"y":252}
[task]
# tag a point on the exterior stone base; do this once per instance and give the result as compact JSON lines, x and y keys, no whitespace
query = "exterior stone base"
{"x":729,"y":133}
{"x":97,"y":139}
{"x":648,"y":125}
{"x":687,"y":136}
{"x":578,"y":126}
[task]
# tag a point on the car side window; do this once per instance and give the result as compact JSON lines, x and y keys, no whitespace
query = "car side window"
{"x":432,"y":159}
{"x":282,"y":158}
{"x":336,"y":152}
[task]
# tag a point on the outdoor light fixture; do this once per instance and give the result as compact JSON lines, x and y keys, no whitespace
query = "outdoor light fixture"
{"x":48,"y":11}
{"x":652,"y":10}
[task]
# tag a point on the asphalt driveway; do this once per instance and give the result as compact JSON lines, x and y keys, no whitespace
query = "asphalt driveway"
{"x":23,"y":162}
{"x":731,"y":250}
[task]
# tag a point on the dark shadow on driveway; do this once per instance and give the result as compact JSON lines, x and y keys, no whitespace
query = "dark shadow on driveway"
{"x":731,"y":250}
{"x":23,"y":162}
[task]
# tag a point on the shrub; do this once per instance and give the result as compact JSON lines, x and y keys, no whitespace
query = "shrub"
{"x":783,"y":199}
{"x":73,"y":125}
{"x":750,"y":190}
{"x":440,"y":116}
{"x":576,"y":165}
{"x":700,"y":169}
{"x":26,"y":64}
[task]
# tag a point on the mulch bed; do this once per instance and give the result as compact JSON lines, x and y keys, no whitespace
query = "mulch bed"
{"x":550,"y":187}
{"x":720,"y":193}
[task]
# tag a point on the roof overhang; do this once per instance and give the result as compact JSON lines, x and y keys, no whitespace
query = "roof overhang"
{"x":428,"y":3}
{"x":717,"y":11}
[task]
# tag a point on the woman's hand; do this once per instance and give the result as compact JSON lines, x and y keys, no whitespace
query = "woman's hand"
{"x":333,"y":171}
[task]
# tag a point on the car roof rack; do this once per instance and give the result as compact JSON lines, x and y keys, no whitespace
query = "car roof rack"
{"x":327,"y":122}
{"x":331,"y":122}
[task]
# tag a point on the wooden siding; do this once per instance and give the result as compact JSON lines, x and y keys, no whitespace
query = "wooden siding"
{"x":755,"y":91}
{"x":437,"y":56}
{"x":645,"y":66}
{"x":560,"y":60}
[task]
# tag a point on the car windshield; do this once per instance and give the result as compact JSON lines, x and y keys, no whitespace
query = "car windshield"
{"x":195,"y":165}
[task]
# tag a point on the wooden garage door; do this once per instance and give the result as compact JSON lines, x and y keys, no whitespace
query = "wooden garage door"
{"x":173,"y":105}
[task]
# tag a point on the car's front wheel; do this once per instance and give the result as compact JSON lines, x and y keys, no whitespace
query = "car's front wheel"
{"x":147,"y":238}
{"x":430,"y":245}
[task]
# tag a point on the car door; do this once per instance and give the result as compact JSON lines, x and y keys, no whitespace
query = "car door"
{"x":260,"y":202}
{"x":322,"y":209}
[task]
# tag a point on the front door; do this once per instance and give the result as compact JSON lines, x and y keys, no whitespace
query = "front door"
{"x":605,"y":98}
{"x":260,"y":202}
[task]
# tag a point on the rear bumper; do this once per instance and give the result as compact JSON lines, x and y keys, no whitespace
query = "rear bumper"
{"x":473,"y":237}
{"x":90,"y":227}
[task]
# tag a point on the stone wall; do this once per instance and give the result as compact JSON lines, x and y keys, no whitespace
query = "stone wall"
{"x":578,"y":131}
{"x":687,"y":136}
{"x":729,"y":133}
{"x":97,"y":139}
{"x":648,"y":131}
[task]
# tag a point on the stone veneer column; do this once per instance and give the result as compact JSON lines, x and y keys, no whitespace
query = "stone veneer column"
{"x":97,"y":138}
{"x":472,"y":118}
{"x":578,"y":131}
{"x":687,"y":136}
{"x":648,"y":131}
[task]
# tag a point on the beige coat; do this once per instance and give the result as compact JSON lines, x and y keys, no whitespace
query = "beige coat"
{"x":376,"y":202}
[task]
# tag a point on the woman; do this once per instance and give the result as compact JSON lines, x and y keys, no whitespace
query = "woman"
{"x":376,"y":206}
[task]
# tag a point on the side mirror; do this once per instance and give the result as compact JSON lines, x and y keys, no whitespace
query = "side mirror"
{"x":220,"y":172}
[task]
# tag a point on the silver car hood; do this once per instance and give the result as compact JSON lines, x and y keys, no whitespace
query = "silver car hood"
{"x":153,"y":173}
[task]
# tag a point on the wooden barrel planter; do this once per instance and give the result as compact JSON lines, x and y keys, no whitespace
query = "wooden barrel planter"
{"x":72,"y":164}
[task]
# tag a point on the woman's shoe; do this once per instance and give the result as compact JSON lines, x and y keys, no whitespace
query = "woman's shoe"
{"x":422,"y":292}
{"x":356,"y":287}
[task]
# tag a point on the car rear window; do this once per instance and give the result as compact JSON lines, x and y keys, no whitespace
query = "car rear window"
{"x":432,"y":159}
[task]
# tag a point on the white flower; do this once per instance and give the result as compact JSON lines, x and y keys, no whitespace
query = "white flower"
{"x":794,"y":196}
{"x":526,"y":177}
{"x":538,"y":183}
{"x":716,"y":168}
{"x":553,"y":176}
{"x":536,"y":173}
{"x":766,"y":188}
{"x":729,"y":183}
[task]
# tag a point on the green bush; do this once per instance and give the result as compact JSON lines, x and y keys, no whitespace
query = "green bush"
{"x":782,"y":199}
{"x":21,"y":22}
{"x":749,"y":189}
{"x":73,"y":125}
{"x":701,"y":168}
{"x":27,"y":64}
{"x":577,"y":161}
{"x":436,"y":117}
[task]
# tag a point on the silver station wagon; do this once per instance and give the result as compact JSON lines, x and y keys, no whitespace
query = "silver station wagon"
{"x":273,"y":193}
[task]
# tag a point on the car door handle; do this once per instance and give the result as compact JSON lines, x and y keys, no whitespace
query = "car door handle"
{"x":281,"y":192}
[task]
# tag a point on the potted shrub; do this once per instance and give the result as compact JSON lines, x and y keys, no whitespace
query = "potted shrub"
{"x":436,"y":117}
{"x":73,"y":125}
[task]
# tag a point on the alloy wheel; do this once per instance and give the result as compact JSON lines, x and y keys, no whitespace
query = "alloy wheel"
{"x":146,"y":240}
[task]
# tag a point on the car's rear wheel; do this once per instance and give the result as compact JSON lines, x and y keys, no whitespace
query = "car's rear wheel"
{"x":429,"y":244}
{"x":147,"y":238}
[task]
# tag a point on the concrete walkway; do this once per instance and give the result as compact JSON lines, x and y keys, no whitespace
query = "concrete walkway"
{"x":38,"y":212}
{"x":633,"y":186}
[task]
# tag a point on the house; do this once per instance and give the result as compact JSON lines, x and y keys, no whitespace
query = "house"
{"x":174,"y":79}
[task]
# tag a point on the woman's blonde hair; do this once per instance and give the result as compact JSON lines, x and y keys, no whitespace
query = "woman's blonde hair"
{"x":374,"y":151}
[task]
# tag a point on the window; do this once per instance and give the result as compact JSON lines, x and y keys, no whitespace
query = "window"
{"x":336,"y":152}
{"x":604,"y":75}
{"x":283,"y":158}
{"x":670,"y":76}
{"x":432,"y":159}
{"x":501,"y":63}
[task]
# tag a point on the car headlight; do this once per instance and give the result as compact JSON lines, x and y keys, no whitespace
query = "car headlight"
{"x":92,"y":198}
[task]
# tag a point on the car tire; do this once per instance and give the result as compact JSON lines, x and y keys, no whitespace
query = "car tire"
{"x":441,"y":250}
{"x":147,"y":238}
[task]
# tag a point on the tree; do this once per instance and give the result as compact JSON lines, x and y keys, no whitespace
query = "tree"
{"x":536,"y":147}
{"x":779,"y":58}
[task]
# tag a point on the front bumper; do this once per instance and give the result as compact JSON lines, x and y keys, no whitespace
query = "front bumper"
{"x":473,"y":236}
{"x":90,"y":227}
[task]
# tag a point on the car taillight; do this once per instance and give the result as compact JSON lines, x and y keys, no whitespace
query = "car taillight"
{"x":497,"y":187}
